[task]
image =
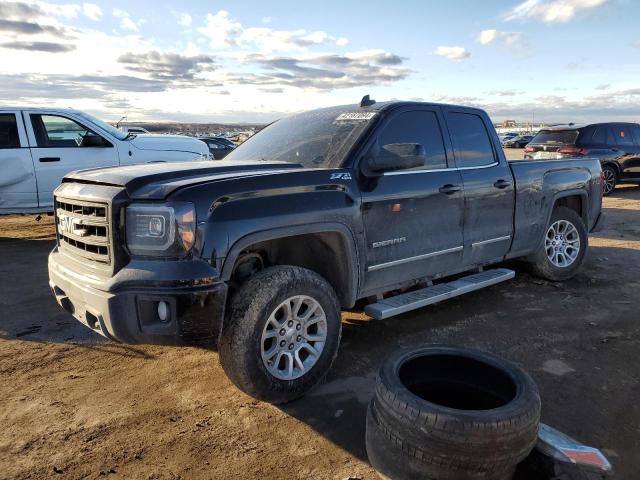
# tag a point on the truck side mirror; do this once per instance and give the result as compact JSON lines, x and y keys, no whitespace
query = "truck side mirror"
{"x":93,"y":140}
{"x":396,"y":156}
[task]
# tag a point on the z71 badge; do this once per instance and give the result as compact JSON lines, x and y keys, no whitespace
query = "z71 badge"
{"x":340,"y":176}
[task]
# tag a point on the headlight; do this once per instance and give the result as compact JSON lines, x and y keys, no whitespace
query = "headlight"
{"x":161,"y":230}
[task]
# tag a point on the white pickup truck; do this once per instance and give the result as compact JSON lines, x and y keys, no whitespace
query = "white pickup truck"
{"x":39,"y":146}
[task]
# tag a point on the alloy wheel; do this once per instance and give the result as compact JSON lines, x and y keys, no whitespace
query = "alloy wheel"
{"x":562,"y":243}
{"x":293,"y":337}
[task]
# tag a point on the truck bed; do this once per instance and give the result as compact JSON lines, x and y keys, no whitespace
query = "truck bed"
{"x":538,"y":183}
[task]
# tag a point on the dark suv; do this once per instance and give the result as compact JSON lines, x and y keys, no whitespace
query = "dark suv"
{"x":617,"y":145}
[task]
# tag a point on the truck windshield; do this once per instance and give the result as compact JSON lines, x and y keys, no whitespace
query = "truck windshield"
{"x":556,"y":136}
{"x":119,"y":134}
{"x":315,"y":139}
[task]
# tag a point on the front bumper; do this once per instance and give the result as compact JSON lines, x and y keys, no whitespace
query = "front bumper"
{"x":124,"y":308}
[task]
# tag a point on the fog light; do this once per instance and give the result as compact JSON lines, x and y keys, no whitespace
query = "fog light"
{"x":163,"y":311}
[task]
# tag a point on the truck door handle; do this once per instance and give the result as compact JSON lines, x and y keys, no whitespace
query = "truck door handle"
{"x":448,"y":189}
{"x":502,"y":183}
{"x":50,"y":159}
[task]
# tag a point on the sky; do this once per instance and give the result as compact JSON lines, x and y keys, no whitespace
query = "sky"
{"x":254,"y":61}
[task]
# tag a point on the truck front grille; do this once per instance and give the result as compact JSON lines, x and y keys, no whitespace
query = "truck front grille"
{"x":83,"y":229}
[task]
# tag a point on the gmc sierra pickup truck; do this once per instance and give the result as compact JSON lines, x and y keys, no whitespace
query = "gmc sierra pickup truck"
{"x":376,"y":202}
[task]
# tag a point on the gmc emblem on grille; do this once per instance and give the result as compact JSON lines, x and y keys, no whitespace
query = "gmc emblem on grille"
{"x":71,"y":225}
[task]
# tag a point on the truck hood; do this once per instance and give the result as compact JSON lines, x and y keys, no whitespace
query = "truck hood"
{"x":176,"y":143}
{"x":156,"y":181}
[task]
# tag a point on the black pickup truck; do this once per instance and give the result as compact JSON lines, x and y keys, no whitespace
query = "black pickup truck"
{"x":375,"y":203}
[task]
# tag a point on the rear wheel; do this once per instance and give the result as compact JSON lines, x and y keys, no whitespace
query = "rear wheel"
{"x":610,"y":179}
{"x":282,"y":333}
{"x":563,"y":247}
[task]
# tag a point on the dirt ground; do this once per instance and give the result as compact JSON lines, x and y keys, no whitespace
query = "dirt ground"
{"x":76,"y":406}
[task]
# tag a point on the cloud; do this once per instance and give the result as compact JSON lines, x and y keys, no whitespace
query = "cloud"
{"x":118,"y":70}
{"x":220,"y":29}
{"x":30,"y":28}
{"x":324,"y":72}
{"x":167,"y":66}
{"x":184,"y":20}
{"x":453,"y":53}
{"x":609,"y":106}
{"x":51,"y":47}
{"x":635,"y":44}
{"x":20,"y":10}
{"x":122,"y":83}
{"x":272,"y":90}
{"x":490,"y":36}
{"x":506,"y":93}
{"x":32,"y":88}
{"x":126,"y":23}
{"x":552,"y":11}
{"x":223,"y":32}
{"x":603,"y":86}
{"x":92,"y":11}
{"x":67,"y":10}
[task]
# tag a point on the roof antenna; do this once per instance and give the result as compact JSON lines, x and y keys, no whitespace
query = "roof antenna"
{"x":366,"y":101}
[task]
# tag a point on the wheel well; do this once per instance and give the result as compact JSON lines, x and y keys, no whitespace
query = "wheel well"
{"x":575,"y":203}
{"x":325,"y":253}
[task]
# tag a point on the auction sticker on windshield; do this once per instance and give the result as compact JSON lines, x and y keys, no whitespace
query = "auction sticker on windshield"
{"x":355,"y":116}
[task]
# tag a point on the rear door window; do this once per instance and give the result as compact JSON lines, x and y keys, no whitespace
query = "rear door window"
{"x":556,"y":137}
{"x":622,"y":135}
{"x":9,"y":131}
{"x":420,"y":126}
{"x":635,"y":130}
{"x":471,"y":142}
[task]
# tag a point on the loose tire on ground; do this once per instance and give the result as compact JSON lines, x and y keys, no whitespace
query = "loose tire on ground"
{"x":262,"y":312}
{"x":544,"y":267}
{"x":446,"y":413}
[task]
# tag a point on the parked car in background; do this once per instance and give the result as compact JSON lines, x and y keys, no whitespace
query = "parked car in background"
{"x":132,"y":129}
{"x":520,"y":141}
{"x":39,"y":146}
{"x":506,"y":136}
{"x":615,"y":144}
{"x":219,"y":147}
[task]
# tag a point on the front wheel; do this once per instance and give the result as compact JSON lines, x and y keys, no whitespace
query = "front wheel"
{"x":563,"y":247}
{"x":282,"y":334}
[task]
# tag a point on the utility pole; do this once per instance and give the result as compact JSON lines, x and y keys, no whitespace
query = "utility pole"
{"x":533,"y":120}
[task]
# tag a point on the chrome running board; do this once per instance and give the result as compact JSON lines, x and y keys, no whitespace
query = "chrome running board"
{"x":406,"y":302}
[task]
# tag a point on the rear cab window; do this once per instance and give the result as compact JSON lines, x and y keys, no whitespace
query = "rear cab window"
{"x":471,"y":142}
{"x":9,"y":137}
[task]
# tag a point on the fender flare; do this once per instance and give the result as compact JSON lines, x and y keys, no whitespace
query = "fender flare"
{"x":345,"y":232}
{"x":584,"y":214}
